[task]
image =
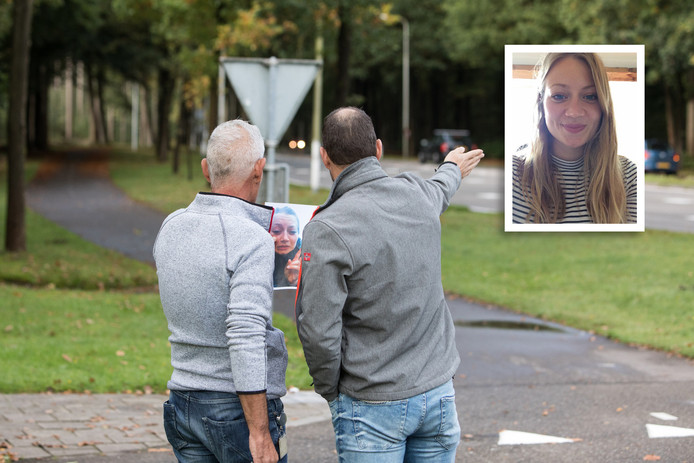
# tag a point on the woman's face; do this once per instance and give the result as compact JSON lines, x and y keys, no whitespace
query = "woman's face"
{"x":571,"y":107}
{"x":285,"y":231}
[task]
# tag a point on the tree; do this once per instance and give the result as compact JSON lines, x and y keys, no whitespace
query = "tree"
{"x":15,"y":238}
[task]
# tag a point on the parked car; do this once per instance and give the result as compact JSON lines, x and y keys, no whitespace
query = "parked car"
{"x":444,"y":140}
{"x":660,"y":157}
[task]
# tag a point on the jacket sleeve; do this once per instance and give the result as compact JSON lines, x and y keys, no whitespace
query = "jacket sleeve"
{"x":441,"y":187}
{"x":249,"y":309}
{"x":321,"y":296}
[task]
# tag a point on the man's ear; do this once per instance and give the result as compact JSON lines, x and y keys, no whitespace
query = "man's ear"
{"x":325,"y":158}
{"x":379,"y":149}
{"x":258,"y":169}
{"x":205,"y":169}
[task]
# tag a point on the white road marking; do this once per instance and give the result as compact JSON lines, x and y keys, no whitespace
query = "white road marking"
{"x":489,"y":195}
{"x":656,"y":431}
{"x":507,"y":437}
{"x":664,"y":416}
{"x":678,"y":200}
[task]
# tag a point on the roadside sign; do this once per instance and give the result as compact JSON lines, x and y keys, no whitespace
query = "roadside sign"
{"x":270,"y":91}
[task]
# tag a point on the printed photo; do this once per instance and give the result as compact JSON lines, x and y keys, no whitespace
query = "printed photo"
{"x":287,"y":224}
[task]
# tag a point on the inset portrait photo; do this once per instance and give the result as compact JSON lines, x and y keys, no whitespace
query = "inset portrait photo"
{"x":574,"y":138}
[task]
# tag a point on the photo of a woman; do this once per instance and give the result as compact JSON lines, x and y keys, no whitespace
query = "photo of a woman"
{"x":287,"y":235}
{"x":570,"y":171}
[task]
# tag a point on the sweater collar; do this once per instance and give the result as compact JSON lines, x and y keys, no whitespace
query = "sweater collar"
{"x":219,"y":203}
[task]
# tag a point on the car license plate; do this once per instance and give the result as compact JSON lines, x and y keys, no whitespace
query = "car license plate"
{"x":662,"y":165}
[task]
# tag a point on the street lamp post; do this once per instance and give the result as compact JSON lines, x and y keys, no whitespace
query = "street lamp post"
{"x":405,"y":86}
{"x":386,"y":17}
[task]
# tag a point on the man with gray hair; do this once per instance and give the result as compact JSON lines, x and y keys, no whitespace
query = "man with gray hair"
{"x":215,"y":261}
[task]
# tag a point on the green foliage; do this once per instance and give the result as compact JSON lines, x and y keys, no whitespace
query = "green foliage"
{"x":478,"y":31}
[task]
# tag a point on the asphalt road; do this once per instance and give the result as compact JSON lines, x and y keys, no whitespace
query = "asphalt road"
{"x":532,"y":391}
{"x":667,"y":208}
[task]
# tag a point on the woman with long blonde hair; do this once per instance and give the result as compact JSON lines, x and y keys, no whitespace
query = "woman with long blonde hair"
{"x":571,"y":172}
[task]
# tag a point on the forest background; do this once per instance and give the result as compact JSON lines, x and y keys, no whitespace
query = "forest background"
{"x":83,"y":68}
{"x":96,"y":52}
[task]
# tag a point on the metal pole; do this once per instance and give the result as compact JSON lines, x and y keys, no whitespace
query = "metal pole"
{"x":271,"y":142}
{"x":317,"y":113}
{"x":405,"y":87}
{"x":221,"y":101}
{"x":135,"y":116}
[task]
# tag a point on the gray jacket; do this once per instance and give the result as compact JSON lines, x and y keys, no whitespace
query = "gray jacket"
{"x":370,"y":309}
{"x":214,"y":261}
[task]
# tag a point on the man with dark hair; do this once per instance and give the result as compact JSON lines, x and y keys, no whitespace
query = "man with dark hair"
{"x":378,"y":336}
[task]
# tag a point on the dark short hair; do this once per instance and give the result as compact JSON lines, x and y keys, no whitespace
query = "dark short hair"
{"x":348,"y":135}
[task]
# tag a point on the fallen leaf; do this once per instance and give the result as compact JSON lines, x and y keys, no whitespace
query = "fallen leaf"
{"x":651,"y":458}
{"x":120,"y":353}
{"x":159,"y":450}
{"x":67,"y":358}
{"x":9,"y":328}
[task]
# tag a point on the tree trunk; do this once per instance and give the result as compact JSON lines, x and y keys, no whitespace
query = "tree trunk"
{"x":69,"y":100}
{"x":673,"y":114}
{"x":181,"y":138}
{"x":41,"y":108}
{"x":100,"y":79}
{"x":97,"y":128}
{"x":166,"y":91}
{"x":343,"y":53}
{"x":689,"y":128}
{"x":15,"y":236}
{"x":213,"y":116}
{"x":146,"y":132}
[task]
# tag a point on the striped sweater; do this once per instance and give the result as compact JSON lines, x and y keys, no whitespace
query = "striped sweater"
{"x":573,"y":182}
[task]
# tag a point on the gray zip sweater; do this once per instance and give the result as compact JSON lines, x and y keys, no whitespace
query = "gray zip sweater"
{"x":214,"y":261}
{"x":371,"y":312}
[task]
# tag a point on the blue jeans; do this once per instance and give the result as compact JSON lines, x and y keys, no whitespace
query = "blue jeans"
{"x":422,"y":428}
{"x":209,"y":427}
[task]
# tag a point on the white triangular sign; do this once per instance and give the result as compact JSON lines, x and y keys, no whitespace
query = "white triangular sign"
{"x":507,"y":437}
{"x":270,"y":102}
{"x":656,"y":431}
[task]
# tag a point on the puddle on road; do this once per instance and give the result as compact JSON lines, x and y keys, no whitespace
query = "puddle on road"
{"x":507,"y":325}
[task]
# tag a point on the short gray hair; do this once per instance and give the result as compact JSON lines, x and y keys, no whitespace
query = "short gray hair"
{"x":232,"y":150}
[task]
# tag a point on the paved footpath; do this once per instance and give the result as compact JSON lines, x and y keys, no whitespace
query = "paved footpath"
{"x":39,"y":426}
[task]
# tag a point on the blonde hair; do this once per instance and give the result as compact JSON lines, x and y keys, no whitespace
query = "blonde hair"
{"x":605,"y":192}
{"x":232,"y":150}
